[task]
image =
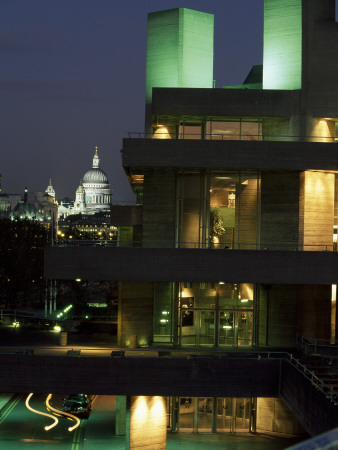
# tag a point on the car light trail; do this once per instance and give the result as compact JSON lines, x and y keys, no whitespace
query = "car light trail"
{"x":58,"y":411}
{"x":48,"y":427}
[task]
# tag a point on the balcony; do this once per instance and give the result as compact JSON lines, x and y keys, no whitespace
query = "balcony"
{"x":141,"y":154}
{"x":270,"y":266}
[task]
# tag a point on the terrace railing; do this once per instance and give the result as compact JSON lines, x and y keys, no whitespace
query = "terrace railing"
{"x":231,"y":137}
{"x":265,"y":246}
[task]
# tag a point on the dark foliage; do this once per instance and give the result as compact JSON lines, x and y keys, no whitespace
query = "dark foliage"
{"x":21,"y":262}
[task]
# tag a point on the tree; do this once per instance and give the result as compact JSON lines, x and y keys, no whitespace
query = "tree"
{"x":216,"y":224}
{"x":22,"y":245}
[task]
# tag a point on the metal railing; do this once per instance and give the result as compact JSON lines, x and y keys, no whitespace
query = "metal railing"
{"x":318,"y":346}
{"x":198,"y":245}
{"x":79,"y":351}
{"x":231,"y":137}
{"x":22,"y":315}
{"x":17,"y":313}
{"x":316,"y":381}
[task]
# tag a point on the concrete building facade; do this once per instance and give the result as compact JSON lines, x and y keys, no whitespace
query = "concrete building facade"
{"x":240,"y":199}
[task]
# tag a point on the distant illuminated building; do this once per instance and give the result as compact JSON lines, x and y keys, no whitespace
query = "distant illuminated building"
{"x":35,"y":206}
{"x":93,"y":194}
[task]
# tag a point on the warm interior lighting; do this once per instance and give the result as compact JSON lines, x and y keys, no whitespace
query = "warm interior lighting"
{"x":161,"y":133}
{"x":136,"y":179}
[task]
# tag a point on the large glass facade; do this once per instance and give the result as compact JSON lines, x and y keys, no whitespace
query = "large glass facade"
{"x":218,"y":210}
{"x":209,"y":414}
{"x":215,"y":314}
{"x":204,"y":314}
{"x":231,"y":129}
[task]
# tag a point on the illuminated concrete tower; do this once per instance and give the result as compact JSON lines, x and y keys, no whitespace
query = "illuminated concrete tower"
{"x":282,"y":58}
{"x":297,"y":47}
{"x":180,"y":51}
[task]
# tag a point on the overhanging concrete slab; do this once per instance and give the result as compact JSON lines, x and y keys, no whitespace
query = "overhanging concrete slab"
{"x":196,"y":265}
{"x":143,"y":154}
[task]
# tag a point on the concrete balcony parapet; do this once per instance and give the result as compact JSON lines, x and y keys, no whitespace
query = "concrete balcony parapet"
{"x":142,"y":154}
{"x":188,"y":264}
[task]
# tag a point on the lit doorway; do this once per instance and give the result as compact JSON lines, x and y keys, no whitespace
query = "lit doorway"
{"x":208,"y":414}
{"x":197,"y":327}
{"x":235,"y":328}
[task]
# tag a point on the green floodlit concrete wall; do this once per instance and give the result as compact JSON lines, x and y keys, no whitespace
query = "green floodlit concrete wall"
{"x":282,"y":56}
{"x":180,"y":49}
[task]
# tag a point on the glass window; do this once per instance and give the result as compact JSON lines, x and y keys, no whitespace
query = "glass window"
{"x":234,"y":130}
{"x":162,"y":325}
{"x":190,"y":131}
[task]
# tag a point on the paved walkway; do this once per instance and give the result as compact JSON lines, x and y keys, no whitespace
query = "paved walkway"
{"x":189,"y":441}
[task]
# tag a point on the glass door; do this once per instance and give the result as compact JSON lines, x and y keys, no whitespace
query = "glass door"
{"x":235,"y":328}
{"x":244,"y":323}
{"x":224,"y":414}
{"x":205,"y":335}
{"x":197,"y":327}
{"x":242,"y":409}
{"x":227,"y":328}
{"x":207,"y":414}
{"x":186,"y":414}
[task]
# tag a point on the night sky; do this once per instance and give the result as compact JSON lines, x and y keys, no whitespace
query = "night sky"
{"x":73,"y":77}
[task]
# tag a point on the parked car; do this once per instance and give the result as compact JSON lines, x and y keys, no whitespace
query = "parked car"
{"x":78,"y":404}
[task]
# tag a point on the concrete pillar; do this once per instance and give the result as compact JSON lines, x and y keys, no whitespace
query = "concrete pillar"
{"x":316,"y":207}
{"x":147,"y":424}
{"x":274,"y":416}
{"x":120,"y":417}
{"x":280,"y":210}
{"x":246,"y":215}
{"x":136,"y":300}
{"x":277,"y":306}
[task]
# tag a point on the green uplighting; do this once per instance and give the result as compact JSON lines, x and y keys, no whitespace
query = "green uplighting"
{"x":282,"y":59}
{"x":179,"y":49}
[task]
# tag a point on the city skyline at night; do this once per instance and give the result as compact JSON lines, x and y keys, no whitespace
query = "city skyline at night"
{"x":73,"y":77}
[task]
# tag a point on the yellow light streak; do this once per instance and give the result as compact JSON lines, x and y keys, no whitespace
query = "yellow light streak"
{"x":58,"y":411}
{"x":48,"y":427}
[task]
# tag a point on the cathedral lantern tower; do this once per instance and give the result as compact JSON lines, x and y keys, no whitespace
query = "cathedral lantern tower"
{"x":50,"y":190}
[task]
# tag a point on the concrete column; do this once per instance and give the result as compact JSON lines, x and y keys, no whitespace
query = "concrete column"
{"x":246,"y":215}
{"x":316,"y":205}
{"x":274,"y":416}
{"x":136,"y":300}
{"x":280,"y":210}
{"x":120,"y":418}
{"x":336,"y":323}
{"x":147,"y":423}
